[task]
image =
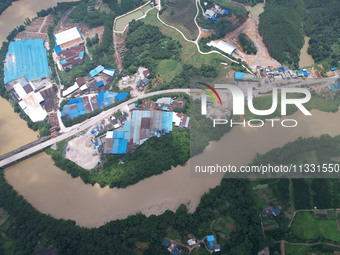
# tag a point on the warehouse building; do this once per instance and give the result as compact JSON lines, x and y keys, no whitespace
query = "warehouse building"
{"x":222,"y":46}
{"x":69,"y":49}
{"x":25,"y":66}
{"x":26,"y":59}
{"x":143,"y":125}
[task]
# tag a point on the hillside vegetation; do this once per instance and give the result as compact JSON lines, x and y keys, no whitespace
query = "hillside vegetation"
{"x":247,"y":44}
{"x":284,"y":23}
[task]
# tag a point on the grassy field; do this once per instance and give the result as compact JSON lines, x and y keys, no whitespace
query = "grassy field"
{"x":168,"y":69}
{"x":295,"y":249}
{"x":310,"y":227}
{"x":190,"y":54}
{"x":181,"y":14}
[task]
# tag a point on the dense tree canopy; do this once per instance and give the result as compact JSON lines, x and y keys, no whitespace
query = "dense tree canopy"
{"x":284,"y":24}
{"x":147,"y":46}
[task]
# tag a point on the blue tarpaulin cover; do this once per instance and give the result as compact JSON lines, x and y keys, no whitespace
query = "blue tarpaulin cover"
{"x":239,"y":75}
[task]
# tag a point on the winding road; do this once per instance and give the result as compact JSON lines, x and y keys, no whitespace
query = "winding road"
{"x":198,"y":37}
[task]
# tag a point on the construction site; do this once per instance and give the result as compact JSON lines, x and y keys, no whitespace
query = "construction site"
{"x":262,"y":57}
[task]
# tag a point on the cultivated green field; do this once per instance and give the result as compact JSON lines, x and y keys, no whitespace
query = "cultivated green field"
{"x":310,"y":227}
{"x":296,"y":249}
{"x":181,"y":14}
{"x":168,"y":69}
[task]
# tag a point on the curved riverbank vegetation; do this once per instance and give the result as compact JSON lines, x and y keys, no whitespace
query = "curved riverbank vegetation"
{"x":234,"y":205}
{"x":283,"y":25}
{"x":4,"y":4}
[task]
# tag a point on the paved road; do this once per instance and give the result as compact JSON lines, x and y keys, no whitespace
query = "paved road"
{"x":71,"y":131}
{"x":82,"y":126}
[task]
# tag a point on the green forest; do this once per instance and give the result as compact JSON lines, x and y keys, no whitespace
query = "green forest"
{"x":283,"y":25}
{"x":147,"y":47}
{"x":4,"y":4}
{"x":247,"y":44}
{"x":27,"y":229}
{"x":234,"y":200}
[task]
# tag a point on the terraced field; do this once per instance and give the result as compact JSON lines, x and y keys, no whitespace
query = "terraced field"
{"x":180,"y":14}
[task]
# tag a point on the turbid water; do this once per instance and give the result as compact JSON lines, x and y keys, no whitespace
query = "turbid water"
{"x":305,"y":58}
{"x":20,"y":10}
{"x":14,"y":131}
{"x":53,"y":191}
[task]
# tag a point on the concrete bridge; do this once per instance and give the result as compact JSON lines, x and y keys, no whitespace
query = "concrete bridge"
{"x":43,"y":143}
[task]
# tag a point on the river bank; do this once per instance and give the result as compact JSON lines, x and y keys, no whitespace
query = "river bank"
{"x":55,"y":192}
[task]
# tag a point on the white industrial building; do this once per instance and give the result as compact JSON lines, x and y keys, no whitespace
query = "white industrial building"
{"x":71,"y":89}
{"x":164,"y":100}
{"x":223,"y":46}
{"x":31,"y":106}
{"x":30,"y":103}
{"x":68,"y":38}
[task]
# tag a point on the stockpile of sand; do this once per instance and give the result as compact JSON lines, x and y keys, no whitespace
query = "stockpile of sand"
{"x":82,"y":151}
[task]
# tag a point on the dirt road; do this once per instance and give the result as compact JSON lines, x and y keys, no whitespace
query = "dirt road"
{"x":262,"y":58}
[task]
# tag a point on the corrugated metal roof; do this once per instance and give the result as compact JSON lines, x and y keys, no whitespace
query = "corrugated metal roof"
{"x":223,"y":46}
{"x":67,"y":35}
{"x":239,"y":75}
{"x":22,"y":52}
{"x":20,"y":91}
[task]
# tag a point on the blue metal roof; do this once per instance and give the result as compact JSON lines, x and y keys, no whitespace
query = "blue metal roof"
{"x":96,"y":71}
{"x":239,"y":76}
{"x":210,"y":238}
{"x":26,"y":58}
{"x":119,"y":146}
{"x":175,"y":252}
{"x":57,"y":49}
{"x":166,"y":243}
{"x":100,"y":83}
{"x":121,"y":96}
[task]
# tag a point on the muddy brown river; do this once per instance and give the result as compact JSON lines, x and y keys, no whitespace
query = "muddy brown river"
{"x":55,"y":192}
{"x":52,"y":191}
{"x":15,"y":14}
